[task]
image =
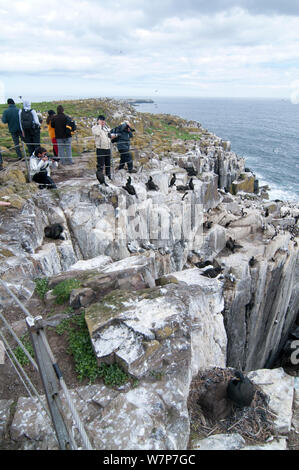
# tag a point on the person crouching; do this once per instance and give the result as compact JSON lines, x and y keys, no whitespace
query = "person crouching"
{"x":40,"y":165}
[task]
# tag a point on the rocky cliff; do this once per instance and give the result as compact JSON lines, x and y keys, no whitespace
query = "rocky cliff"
{"x":172,"y":281}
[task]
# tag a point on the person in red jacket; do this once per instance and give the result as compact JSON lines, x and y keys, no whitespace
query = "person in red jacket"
{"x":51,"y":132}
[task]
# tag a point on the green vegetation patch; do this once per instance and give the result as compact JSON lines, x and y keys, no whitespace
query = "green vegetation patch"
{"x":20,"y":354}
{"x":81,"y":349}
{"x":62,"y":291}
{"x":41,"y":287}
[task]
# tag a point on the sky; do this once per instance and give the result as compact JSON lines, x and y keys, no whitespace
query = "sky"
{"x":149,"y":48}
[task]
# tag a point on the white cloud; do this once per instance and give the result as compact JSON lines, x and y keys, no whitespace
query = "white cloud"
{"x":184,"y":47}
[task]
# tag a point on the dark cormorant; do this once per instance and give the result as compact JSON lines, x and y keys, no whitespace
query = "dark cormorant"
{"x":212,"y":272}
{"x":191,"y":185}
{"x":203,"y":264}
{"x":54,"y":231}
{"x":240,"y":390}
{"x":151,"y":186}
{"x":173,"y":180}
{"x":207,"y":224}
{"x":231,"y":245}
{"x":182,"y":188}
{"x":130,"y":188}
{"x":190,"y":170}
{"x":252,"y":261}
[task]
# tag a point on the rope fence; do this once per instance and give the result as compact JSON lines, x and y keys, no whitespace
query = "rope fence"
{"x":114,"y":152}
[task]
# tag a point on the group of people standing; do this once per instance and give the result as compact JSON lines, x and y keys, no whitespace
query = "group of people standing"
{"x":22,"y":124}
{"x":104,"y":136}
{"x":25,"y":124}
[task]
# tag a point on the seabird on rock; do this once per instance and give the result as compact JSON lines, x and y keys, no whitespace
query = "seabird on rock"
{"x":203,"y":264}
{"x":151,"y":186}
{"x":182,"y":188}
{"x":252,"y":261}
{"x":212,"y":272}
{"x":173,"y":180}
{"x":213,"y":400}
{"x":190,"y":184}
{"x":54,"y":231}
{"x":231,"y":245}
{"x":207,"y":224}
{"x":240,"y":390}
{"x":130,"y":188}
{"x":101,"y":178}
{"x":190,"y":170}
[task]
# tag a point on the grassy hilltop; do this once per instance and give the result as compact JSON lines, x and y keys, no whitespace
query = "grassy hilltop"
{"x":155,"y":133}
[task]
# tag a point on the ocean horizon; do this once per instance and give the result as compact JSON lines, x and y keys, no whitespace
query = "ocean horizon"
{"x":264,"y":131}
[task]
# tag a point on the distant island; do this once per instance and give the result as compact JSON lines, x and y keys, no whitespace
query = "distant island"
{"x":139,"y":101}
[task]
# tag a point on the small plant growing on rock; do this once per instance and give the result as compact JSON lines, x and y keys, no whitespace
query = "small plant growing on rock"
{"x":112,"y":375}
{"x":62,"y":291}
{"x":41,"y":287}
{"x":19,"y":353}
{"x":86,"y":364}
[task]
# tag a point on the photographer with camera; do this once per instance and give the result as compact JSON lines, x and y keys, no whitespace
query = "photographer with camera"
{"x":122,"y":135}
{"x":40,"y":164}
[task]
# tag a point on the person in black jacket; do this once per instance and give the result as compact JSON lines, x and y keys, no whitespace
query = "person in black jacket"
{"x":11,"y":117}
{"x":123,"y":134}
{"x":30,"y":126}
{"x":64,"y":142}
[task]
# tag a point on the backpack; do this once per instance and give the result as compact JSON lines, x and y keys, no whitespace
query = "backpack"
{"x":27,"y":119}
{"x":70,"y":127}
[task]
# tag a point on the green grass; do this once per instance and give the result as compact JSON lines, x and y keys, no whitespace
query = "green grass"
{"x":165,"y":131}
{"x":80,"y":347}
{"x":19,"y":353}
{"x":63,"y":290}
{"x":157,"y":131}
{"x":41,"y":287}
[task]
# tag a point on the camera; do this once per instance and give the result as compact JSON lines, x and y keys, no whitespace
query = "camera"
{"x":51,"y":157}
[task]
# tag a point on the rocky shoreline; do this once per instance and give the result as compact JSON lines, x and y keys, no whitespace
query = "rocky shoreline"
{"x":150,"y":304}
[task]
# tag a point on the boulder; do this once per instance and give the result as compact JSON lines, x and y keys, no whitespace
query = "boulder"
{"x":81,"y":297}
{"x":142,"y":330}
{"x":150,"y":417}
{"x":245,"y":184}
{"x":279,"y":387}
{"x":5,"y":407}
{"x":32,"y":427}
{"x":220,"y":442}
{"x":93,"y":263}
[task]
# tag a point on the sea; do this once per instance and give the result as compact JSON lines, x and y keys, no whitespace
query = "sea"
{"x":263,"y":131}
